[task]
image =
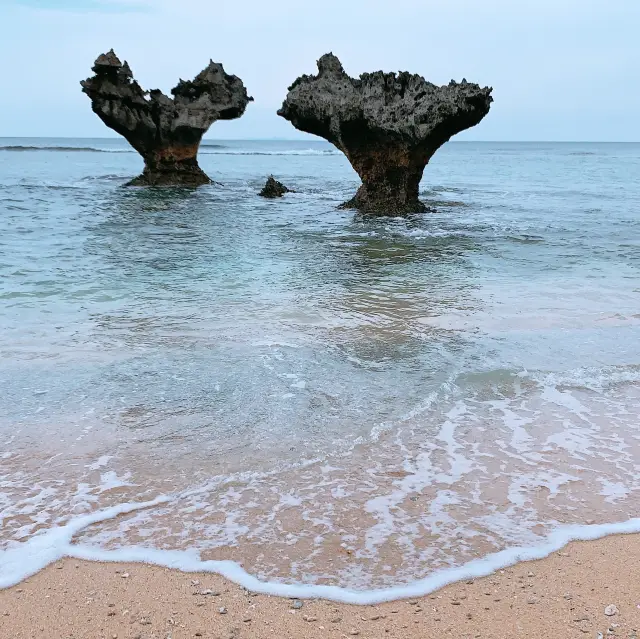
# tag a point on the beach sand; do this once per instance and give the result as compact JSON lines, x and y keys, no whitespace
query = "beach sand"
{"x":564,"y":595}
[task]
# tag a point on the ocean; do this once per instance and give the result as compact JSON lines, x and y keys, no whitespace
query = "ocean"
{"x":334,"y":405}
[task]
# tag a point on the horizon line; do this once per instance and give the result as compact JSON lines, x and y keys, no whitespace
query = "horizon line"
{"x":278,"y":139}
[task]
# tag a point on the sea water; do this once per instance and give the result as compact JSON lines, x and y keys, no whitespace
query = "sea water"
{"x":305,"y":400}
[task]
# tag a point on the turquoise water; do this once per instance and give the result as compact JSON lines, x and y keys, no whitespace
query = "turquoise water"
{"x":304,"y":382}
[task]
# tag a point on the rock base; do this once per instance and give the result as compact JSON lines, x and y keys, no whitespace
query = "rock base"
{"x":381,"y":206}
{"x":179,"y":176}
{"x":381,"y":209}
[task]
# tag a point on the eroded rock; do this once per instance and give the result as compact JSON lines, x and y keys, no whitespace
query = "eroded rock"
{"x":273,"y":188}
{"x":388,"y":125}
{"x":165,"y":131}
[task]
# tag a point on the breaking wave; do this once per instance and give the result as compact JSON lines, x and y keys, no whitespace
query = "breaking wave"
{"x":314,"y":152}
{"x":65,"y":149}
{"x":205,"y":149}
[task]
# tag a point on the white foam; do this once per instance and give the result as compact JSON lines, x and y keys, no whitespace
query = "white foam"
{"x":110,"y":480}
{"x":101,"y":462}
{"x":424,"y":233}
{"x":23,"y":560}
{"x":592,"y":378}
{"x":327,"y":152}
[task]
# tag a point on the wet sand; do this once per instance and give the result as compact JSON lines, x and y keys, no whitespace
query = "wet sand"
{"x":564,"y":595}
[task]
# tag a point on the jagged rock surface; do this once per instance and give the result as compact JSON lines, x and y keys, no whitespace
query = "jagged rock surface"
{"x":273,"y":188}
{"x":388,"y":125}
{"x":165,"y":131}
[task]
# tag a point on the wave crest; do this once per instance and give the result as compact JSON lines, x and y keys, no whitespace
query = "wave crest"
{"x":66,"y":149}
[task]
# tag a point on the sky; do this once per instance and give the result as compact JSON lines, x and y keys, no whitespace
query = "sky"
{"x":561,"y":69}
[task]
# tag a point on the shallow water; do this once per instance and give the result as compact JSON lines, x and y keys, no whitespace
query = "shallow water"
{"x":323,"y":398}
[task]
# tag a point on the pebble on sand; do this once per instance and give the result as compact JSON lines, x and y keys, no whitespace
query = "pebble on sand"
{"x":611,"y":610}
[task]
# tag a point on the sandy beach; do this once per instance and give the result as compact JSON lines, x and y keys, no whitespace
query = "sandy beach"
{"x":586,"y":589}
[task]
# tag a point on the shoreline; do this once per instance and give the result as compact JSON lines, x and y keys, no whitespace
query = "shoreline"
{"x":562,"y":595}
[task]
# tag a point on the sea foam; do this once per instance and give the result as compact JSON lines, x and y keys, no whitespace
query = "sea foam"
{"x":23,"y":560}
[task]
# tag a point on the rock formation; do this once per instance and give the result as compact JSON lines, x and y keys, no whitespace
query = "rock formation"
{"x":389,"y":126}
{"x":273,"y":188}
{"x":165,"y":131}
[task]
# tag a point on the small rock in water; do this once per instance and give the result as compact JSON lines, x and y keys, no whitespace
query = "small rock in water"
{"x":611,"y":610}
{"x":297,"y":604}
{"x":273,"y":188}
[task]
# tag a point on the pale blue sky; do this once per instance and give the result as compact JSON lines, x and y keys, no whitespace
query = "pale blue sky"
{"x":561,"y":69}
